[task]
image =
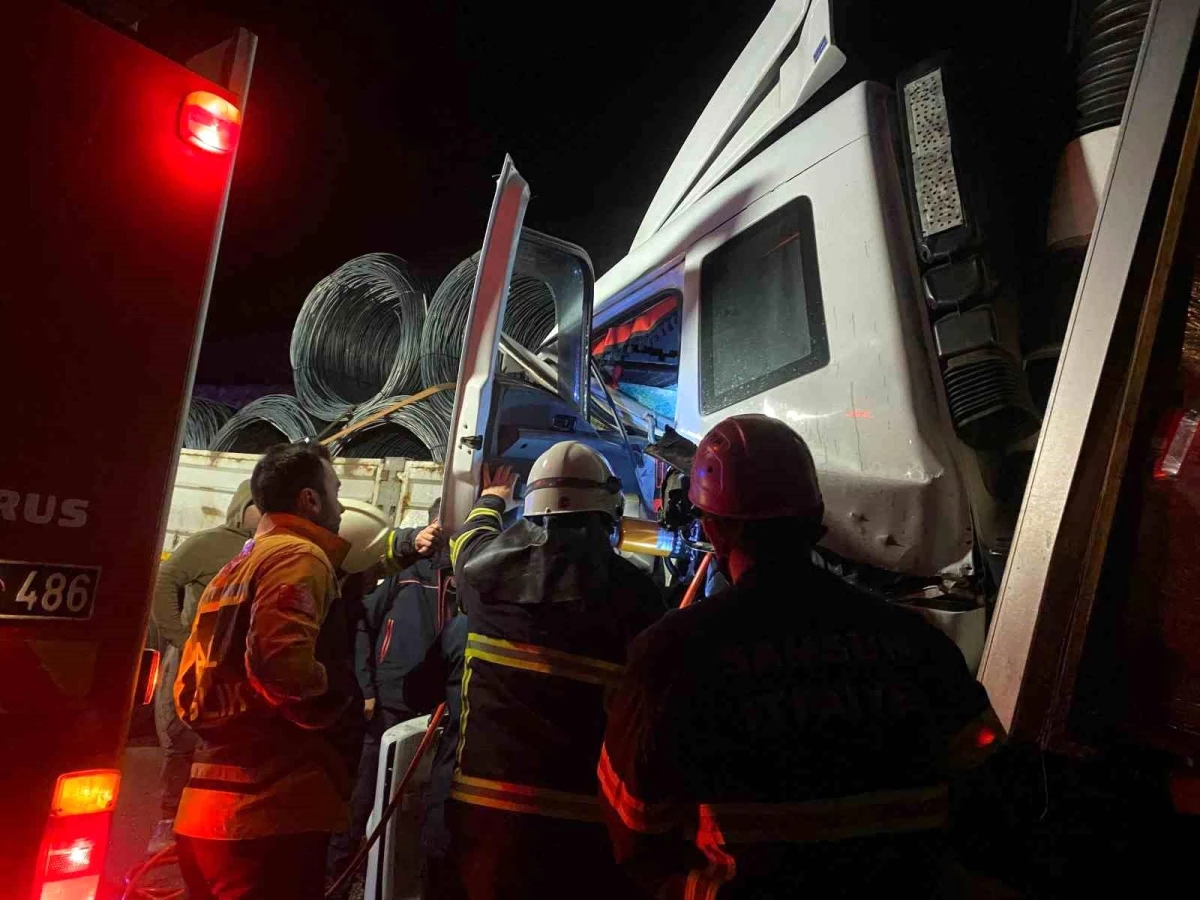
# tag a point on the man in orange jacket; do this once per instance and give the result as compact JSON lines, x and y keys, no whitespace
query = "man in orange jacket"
{"x":267,"y":681}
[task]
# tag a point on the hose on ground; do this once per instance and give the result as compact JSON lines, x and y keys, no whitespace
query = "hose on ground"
{"x":133,"y":890}
{"x":529,"y":317}
{"x":273,"y":419}
{"x":205,"y":418}
{"x":358,"y":336}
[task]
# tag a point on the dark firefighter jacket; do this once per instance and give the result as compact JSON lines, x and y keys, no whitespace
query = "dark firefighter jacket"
{"x":267,"y":680}
{"x":552,"y":611}
{"x":397,"y":627}
{"x":789,"y":734}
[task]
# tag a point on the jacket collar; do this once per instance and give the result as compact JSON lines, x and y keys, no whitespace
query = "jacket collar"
{"x":331,"y":545}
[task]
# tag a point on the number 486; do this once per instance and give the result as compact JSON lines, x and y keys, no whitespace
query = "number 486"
{"x":57,"y":590}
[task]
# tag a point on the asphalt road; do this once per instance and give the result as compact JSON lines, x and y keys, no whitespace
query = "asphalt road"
{"x":137,"y":812}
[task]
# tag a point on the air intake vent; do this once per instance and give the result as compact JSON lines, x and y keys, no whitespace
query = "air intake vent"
{"x":989,"y":402}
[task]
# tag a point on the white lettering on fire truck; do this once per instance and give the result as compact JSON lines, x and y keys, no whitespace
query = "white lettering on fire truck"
{"x":37,"y":509}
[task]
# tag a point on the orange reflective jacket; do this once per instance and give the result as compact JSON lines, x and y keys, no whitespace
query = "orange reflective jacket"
{"x":266,"y":679}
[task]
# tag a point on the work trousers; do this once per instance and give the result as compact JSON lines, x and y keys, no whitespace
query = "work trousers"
{"x":176,"y":739}
{"x":516,"y":856}
{"x":439,"y":879}
{"x":283,"y":867}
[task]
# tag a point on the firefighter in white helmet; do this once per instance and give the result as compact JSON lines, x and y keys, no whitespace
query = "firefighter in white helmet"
{"x":552,"y":609}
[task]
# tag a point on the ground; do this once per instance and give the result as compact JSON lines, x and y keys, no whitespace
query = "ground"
{"x":137,"y":812}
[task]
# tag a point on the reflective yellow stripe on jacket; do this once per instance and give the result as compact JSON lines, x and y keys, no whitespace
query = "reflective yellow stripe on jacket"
{"x":525,"y":798}
{"x":533,"y":658}
{"x":457,"y":542}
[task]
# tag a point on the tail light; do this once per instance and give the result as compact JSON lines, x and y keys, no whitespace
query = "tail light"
{"x":75,"y":841}
{"x":148,"y":674}
{"x":1177,"y":442}
{"x":210,"y":122}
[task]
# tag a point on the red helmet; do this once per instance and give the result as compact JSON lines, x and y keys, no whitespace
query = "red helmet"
{"x":754,"y":467}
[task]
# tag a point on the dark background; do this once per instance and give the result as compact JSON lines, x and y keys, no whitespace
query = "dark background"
{"x":379,"y":126}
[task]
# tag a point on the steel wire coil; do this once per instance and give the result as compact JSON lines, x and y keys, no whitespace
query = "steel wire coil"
{"x":273,"y":419}
{"x":529,"y":317}
{"x":417,"y":431}
{"x":358,"y":336}
{"x":205,"y":418}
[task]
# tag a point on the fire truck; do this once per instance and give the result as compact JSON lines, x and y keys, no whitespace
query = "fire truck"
{"x":117,"y":167}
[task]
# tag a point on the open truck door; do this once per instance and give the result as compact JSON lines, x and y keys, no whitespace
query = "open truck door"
{"x":511,"y":404}
{"x":117,"y":165}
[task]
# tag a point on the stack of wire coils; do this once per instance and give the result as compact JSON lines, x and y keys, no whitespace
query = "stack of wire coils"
{"x":273,"y":419}
{"x":205,"y":419}
{"x":416,"y":431}
{"x":357,"y":337}
{"x":529,"y":318}
{"x":1108,"y":54}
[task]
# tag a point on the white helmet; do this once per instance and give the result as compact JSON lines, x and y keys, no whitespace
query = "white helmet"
{"x":366,"y":528}
{"x":571,"y":477}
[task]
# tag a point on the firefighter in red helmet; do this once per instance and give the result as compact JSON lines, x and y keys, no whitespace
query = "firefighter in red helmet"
{"x":791,"y":733}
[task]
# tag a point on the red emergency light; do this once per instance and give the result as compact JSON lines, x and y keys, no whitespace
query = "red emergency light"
{"x":210,"y":122}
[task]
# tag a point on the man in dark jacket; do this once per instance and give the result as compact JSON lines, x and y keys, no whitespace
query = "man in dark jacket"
{"x":396,"y":626}
{"x":552,"y":609}
{"x":182,"y":578}
{"x":789,"y":735}
{"x":438,"y":679}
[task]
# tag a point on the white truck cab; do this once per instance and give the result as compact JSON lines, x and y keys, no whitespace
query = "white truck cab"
{"x":832,"y":255}
{"x":831,"y":273}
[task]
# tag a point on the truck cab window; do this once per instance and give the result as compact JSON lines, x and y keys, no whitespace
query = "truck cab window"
{"x":639,"y":356}
{"x":761,"y":318}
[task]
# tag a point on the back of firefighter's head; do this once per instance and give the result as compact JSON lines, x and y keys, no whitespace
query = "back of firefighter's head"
{"x":755,"y":484}
{"x":571,"y":479}
{"x":298,"y":479}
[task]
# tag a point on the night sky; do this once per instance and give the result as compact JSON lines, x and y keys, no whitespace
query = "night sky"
{"x":379,"y":126}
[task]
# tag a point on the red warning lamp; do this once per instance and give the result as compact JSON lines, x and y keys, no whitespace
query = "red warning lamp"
{"x":210,"y":122}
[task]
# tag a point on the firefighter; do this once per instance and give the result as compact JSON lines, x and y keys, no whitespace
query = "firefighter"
{"x":267,"y":681}
{"x":181,"y":579}
{"x":790,"y":733}
{"x":551,"y":609}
